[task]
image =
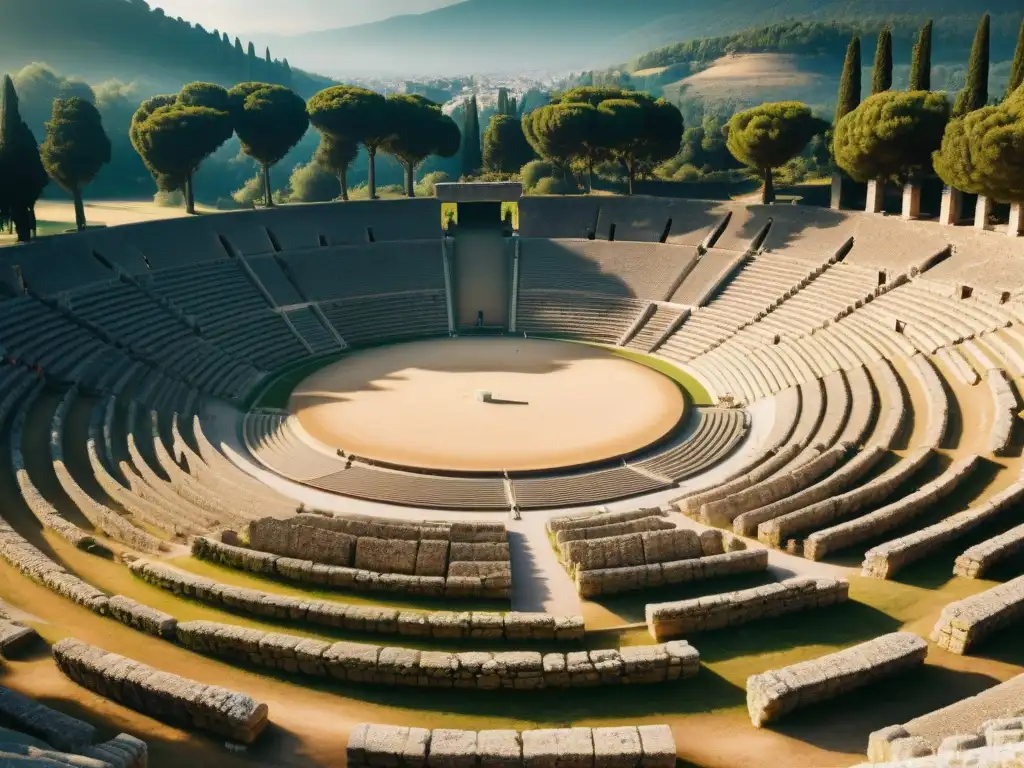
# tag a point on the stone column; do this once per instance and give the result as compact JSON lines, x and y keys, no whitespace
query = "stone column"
{"x":876,"y":190}
{"x":952,"y":204}
{"x":1016,"y":225}
{"x":836,"y":201}
{"x":911,"y":201}
{"x":982,"y":211}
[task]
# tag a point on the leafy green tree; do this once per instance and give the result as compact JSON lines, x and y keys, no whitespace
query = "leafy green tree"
{"x":205,"y":95}
{"x":1017,"y":67}
{"x":975,"y":93}
{"x":472,"y":155}
{"x":768,"y":136}
{"x":505,"y":147}
{"x":563,"y":133}
{"x":22,"y":176}
{"x":891,"y":135}
{"x":644,"y":132}
{"x":983,"y":151}
{"x":335,"y":156}
{"x":849,"y":82}
{"x":921,"y":63}
{"x":75,"y":149}
{"x":357,"y":114}
{"x":311,"y":183}
{"x":174,"y":140}
{"x":421,"y":130}
{"x":881,"y":78}
{"x":269,"y":120}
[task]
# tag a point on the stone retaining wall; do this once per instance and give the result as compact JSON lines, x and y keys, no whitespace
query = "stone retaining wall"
{"x":776,"y":692}
{"x":482,"y":670}
{"x":595,"y":519}
{"x":844,"y":505}
{"x":891,"y":516}
{"x":650,"y":523}
{"x":1005,"y":408}
{"x":883,"y":561}
{"x":173,"y":699}
{"x":492,"y":580}
{"x":723,"y":512}
{"x":975,"y":560}
{"x":384,"y":528}
{"x":612,"y":581}
{"x":632,"y":549}
{"x":665,"y":620}
{"x":752,"y":523}
{"x":645,"y":746}
{"x":968,"y":621}
{"x":362,"y":618}
{"x":960,"y":724}
{"x":142,"y":617}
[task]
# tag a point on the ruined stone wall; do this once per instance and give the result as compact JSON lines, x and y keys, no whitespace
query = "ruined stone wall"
{"x":779,"y":691}
{"x":173,"y":699}
{"x":481,"y":670}
{"x":726,"y":609}
{"x":645,"y":746}
{"x":968,"y":621}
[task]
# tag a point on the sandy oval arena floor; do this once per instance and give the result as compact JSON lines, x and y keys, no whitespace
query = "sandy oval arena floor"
{"x":557,"y":404}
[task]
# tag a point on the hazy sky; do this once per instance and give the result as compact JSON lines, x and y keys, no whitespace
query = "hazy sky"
{"x":290,"y":16}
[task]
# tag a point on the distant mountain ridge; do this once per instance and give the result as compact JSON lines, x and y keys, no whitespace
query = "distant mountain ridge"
{"x":496,"y":36}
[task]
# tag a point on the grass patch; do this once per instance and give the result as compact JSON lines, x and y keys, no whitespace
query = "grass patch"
{"x":279,"y":390}
{"x":692,"y":387}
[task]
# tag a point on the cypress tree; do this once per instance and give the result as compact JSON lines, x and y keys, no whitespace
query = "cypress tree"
{"x":22,"y":175}
{"x":252,"y":62}
{"x":472,"y":154}
{"x":975,"y":93}
{"x":849,"y":83}
{"x":502,"y":101}
{"x":881,"y":79}
{"x":1017,"y":68}
{"x":921,"y":65}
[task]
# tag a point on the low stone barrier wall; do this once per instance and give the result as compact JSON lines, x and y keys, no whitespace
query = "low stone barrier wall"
{"x":612,"y":581}
{"x":64,"y":732}
{"x":645,"y":746}
{"x":173,"y":699}
{"x":975,"y":560}
{"x":777,"y":692}
{"x":779,"y":457}
{"x":492,"y":580}
{"x":362,"y":618}
{"x":891,"y":516}
{"x":749,"y":523}
{"x":142,"y":617}
{"x":123,"y":751}
{"x":642,"y":525}
{"x":596,"y":519}
{"x":778,"y":531}
{"x":968,"y":621}
{"x":723,"y":513}
{"x":384,"y":528}
{"x":935,"y":394}
{"x":35,"y":565}
{"x":883,"y":561}
{"x":632,"y":549}
{"x":1005,"y":408}
{"x":962,"y":724}
{"x":665,"y":620}
{"x":482,"y":670}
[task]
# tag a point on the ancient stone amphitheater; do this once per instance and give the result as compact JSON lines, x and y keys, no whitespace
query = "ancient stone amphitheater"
{"x":817,"y":563}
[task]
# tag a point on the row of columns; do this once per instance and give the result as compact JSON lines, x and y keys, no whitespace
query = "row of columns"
{"x":949,"y":213}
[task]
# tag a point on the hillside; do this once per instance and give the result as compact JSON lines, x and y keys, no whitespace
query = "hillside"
{"x":532,"y":35}
{"x":125,"y":39}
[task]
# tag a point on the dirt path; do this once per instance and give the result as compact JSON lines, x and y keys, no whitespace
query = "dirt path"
{"x":539,"y":582}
